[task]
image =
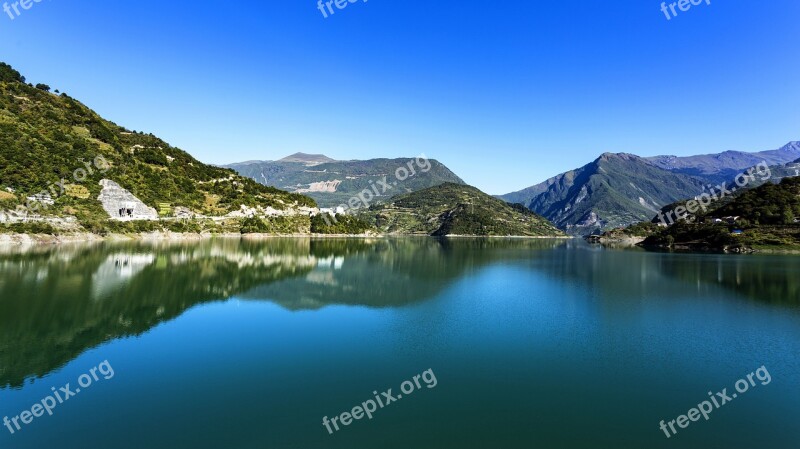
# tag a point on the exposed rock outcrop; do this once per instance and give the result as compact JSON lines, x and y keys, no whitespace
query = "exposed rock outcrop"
{"x":121,"y":204}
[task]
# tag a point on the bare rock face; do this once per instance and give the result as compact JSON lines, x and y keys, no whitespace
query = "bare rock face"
{"x":121,"y":204}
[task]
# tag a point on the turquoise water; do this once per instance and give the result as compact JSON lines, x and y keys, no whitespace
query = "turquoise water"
{"x":533,"y":343}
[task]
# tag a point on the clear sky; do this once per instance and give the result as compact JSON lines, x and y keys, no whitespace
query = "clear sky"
{"x":505,"y":93}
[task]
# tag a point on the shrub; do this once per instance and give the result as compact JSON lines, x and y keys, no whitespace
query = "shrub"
{"x":253,"y":225}
{"x":340,"y":224}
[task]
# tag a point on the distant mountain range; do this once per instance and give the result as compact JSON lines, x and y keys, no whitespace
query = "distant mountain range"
{"x":622,"y":189}
{"x":331,"y":182}
{"x":725,"y":166}
{"x":308,"y":160}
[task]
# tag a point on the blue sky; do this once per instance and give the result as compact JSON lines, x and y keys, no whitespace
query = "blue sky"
{"x":506,"y":93}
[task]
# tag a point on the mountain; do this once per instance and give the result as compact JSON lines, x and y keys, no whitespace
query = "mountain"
{"x":456,"y":209}
{"x":55,"y":151}
{"x":723,"y":167}
{"x":308,"y":159}
{"x":525,"y":196}
{"x":332,"y":183}
{"x":620,"y":189}
{"x":614,"y":190}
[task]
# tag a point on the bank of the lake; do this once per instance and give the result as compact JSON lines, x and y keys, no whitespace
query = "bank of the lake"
{"x":50,"y":239}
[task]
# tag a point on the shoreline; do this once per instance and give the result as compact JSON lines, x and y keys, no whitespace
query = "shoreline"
{"x":7,"y":239}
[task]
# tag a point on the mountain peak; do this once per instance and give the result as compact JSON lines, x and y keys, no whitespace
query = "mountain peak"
{"x":623,"y":156}
{"x":308,"y":159}
{"x":793,"y":146}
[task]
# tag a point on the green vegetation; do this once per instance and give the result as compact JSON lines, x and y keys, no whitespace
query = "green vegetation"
{"x":455,"y":209}
{"x":634,"y":231}
{"x":341,"y":224}
{"x":275,"y":225}
{"x":695,"y":236}
{"x":9,"y":75}
{"x":769,"y":204}
{"x":45,"y":138}
{"x":27,"y":228}
{"x":766,"y":220}
{"x":642,"y":229}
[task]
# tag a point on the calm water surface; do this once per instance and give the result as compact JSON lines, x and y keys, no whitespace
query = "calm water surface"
{"x":533,"y":344}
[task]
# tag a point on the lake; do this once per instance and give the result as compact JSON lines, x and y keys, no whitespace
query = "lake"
{"x":507,"y":343}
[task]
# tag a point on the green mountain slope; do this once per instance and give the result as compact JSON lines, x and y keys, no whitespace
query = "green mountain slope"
{"x":332,"y":183}
{"x":737,"y":186}
{"x":45,"y":138}
{"x":614,"y":190}
{"x":766,"y":204}
{"x":456,"y":209}
{"x":768,"y":217}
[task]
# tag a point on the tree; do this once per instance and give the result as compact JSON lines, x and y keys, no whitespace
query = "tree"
{"x":8,"y":74}
{"x":788,"y":216}
{"x":43,"y":87}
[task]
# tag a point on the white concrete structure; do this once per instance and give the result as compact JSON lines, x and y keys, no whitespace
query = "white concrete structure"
{"x":121,"y":204}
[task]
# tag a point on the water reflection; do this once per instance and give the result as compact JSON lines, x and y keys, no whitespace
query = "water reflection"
{"x":390,"y":272}
{"x":633,"y":273}
{"x":56,"y":302}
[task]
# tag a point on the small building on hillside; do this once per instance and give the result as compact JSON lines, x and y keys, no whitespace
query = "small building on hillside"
{"x":731,"y":220}
{"x":43,"y":198}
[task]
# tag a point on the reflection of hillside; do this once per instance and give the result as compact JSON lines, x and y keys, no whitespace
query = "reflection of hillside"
{"x":389,"y":272}
{"x":55,"y":304}
{"x":770,"y":279}
{"x":636,"y":273}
